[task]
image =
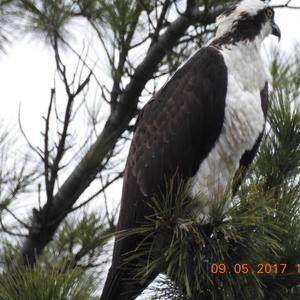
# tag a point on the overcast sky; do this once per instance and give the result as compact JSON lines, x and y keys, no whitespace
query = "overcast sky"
{"x":27,"y":74}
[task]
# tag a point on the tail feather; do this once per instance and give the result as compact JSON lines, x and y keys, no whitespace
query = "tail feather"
{"x":113,"y":286}
{"x":118,"y":288}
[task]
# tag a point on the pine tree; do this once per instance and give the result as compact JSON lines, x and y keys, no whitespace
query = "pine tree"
{"x":59,"y":251}
{"x":251,"y":251}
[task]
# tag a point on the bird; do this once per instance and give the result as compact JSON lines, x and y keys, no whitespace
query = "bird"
{"x":205,"y":125}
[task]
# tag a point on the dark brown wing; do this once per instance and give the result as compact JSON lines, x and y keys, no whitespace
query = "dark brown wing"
{"x":174,"y":133}
{"x":248,"y":156}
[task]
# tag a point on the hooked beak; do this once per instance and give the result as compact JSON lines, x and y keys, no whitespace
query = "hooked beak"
{"x":276,"y":30}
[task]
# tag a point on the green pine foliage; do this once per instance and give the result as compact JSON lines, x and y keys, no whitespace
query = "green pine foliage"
{"x":261,"y":228}
{"x":257,"y":240}
{"x":69,"y":269}
{"x":81,"y":241}
{"x":47,"y":18}
{"x":51,"y":283}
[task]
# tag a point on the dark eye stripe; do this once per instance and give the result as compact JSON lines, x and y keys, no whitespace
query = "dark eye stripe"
{"x":270,"y":12}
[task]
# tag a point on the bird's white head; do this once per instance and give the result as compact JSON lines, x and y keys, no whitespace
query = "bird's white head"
{"x":247,"y":20}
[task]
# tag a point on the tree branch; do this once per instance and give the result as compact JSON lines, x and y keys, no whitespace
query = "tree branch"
{"x":286,"y":5}
{"x":85,"y":172}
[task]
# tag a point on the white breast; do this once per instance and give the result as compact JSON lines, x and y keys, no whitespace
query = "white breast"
{"x":244,"y":121}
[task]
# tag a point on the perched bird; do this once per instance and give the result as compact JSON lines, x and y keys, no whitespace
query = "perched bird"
{"x":205,"y":125}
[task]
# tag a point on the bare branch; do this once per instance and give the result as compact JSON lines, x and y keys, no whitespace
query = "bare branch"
{"x":104,"y":187}
{"x":286,"y":5}
{"x":16,"y":218}
{"x":12,"y":233}
{"x":117,"y":123}
{"x":160,"y":22}
{"x":34,"y":149}
{"x":46,"y":146}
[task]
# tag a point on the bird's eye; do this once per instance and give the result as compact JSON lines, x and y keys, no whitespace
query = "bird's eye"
{"x":269,"y":13}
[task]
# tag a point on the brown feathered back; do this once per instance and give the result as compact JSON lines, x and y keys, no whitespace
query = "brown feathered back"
{"x":174,"y":133}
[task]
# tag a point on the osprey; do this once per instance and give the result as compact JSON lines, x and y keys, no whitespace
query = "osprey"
{"x":204,"y":125}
